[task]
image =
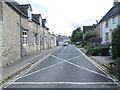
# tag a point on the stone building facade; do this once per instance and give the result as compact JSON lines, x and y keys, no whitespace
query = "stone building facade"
{"x":21,"y":32}
{"x":10,"y":35}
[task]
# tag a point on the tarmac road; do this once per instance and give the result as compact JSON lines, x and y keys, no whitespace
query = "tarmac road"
{"x":65,"y":68}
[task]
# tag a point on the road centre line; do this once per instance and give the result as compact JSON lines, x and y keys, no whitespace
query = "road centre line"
{"x":63,"y":50}
{"x":72,"y":83}
{"x":82,"y":67}
{"x":47,"y":67}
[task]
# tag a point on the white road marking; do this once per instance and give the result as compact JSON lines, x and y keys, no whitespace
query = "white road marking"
{"x":47,"y":67}
{"x":89,"y":59}
{"x":10,"y":82}
{"x":63,"y":50}
{"x":71,"y":83}
{"x":42,"y":69}
{"x":82,"y":67}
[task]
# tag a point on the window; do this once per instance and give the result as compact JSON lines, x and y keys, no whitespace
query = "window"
{"x":40,"y":40}
{"x":107,"y":37}
{"x":29,"y":15}
{"x":106,"y":23}
{"x":114,"y":20}
{"x":40,"y":20}
{"x":25,"y":37}
{"x":35,"y":39}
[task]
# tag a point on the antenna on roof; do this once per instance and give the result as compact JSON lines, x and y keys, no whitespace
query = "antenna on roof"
{"x":96,"y":21}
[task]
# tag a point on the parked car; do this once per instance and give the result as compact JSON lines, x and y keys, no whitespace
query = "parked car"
{"x":77,"y":43}
{"x":65,"y":44}
{"x":110,"y":50}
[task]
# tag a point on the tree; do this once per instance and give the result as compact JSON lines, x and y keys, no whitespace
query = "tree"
{"x":90,"y":34}
{"x":77,"y":35}
{"x":116,"y":47}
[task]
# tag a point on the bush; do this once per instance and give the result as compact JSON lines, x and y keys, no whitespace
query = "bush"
{"x":79,"y":46}
{"x":116,"y":42}
{"x":83,"y":43}
{"x":90,"y":34}
{"x":88,"y":47}
{"x":101,"y":51}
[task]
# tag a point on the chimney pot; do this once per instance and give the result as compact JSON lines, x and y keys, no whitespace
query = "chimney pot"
{"x":116,"y":2}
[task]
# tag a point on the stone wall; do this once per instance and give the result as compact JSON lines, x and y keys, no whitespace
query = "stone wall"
{"x":1,"y":22}
{"x":97,"y":30}
{"x":40,"y":32}
{"x":32,"y":29}
{"x":11,"y":45}
{"x":10,"y":35}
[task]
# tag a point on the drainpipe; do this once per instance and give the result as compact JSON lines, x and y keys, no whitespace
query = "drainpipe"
{"x":21,"y":34}
{"x":43,"y":39}
{"x":37,"y":37}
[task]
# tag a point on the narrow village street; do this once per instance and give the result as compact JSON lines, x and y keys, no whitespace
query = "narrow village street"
{"x":67,"y":67}
{"x":59,"y":44}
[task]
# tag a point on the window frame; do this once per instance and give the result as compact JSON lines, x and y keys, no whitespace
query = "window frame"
{"x":114,"y":20}
{"x":29,"y":15}
{"x":107,"y":36}
{"x":35,"y":39}
{"x":25,"y":37}
{"x":106,"y":23}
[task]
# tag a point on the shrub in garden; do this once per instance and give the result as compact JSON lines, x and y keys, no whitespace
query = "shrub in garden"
{"x":101,"y":51}
{"x":83,"y":43}
{"x":88,"y":47}
{"x":116,"y":48}
{"x":90,"y":34}
{"x":116,"y":42}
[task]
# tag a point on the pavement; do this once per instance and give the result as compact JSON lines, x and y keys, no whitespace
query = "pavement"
{"x":102,"y":62}
{"x":66,"y":67}
{"x":18,"y":65}
{"x":100,"y":59}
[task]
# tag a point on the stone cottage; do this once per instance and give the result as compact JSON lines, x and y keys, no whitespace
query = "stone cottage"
{"x":22,"y":33}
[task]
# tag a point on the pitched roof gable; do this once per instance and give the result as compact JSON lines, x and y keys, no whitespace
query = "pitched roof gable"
{"x":15,"y":6}
{"x":112,"y":12}
{"x":21,"y":9}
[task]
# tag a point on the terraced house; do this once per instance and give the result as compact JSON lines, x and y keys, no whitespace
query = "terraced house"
{"x":23,"y":33}
{"x":109,"y":22}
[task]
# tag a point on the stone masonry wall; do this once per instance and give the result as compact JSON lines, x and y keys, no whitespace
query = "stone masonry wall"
{"x":31,"y":27}
{"x":41,"y":37}
{"x":1,"y":23}
{"x":10,"y":35}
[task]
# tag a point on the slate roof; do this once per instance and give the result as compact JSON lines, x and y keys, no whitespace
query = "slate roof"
{"x":112,"y":12}
{"x":59,"y":38}
{"x":36,"y":17}
{"x":87,"y":28}
{"x":15,"y":5}
{"x":21,"y":9}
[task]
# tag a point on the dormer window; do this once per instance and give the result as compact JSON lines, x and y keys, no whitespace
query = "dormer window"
{"x":40,"y":20}
{"x":29,"y":15}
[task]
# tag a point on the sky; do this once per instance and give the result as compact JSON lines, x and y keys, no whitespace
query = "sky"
{"x":64,"y":16}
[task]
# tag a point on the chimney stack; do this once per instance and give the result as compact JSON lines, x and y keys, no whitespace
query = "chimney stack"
{"x":116,"y":2}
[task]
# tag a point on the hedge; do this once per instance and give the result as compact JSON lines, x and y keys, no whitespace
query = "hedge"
{"x":116,"y":42}
{"x":101,"y":51}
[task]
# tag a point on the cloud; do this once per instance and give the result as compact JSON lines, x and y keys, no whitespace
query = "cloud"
{"x":63,"y":16}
